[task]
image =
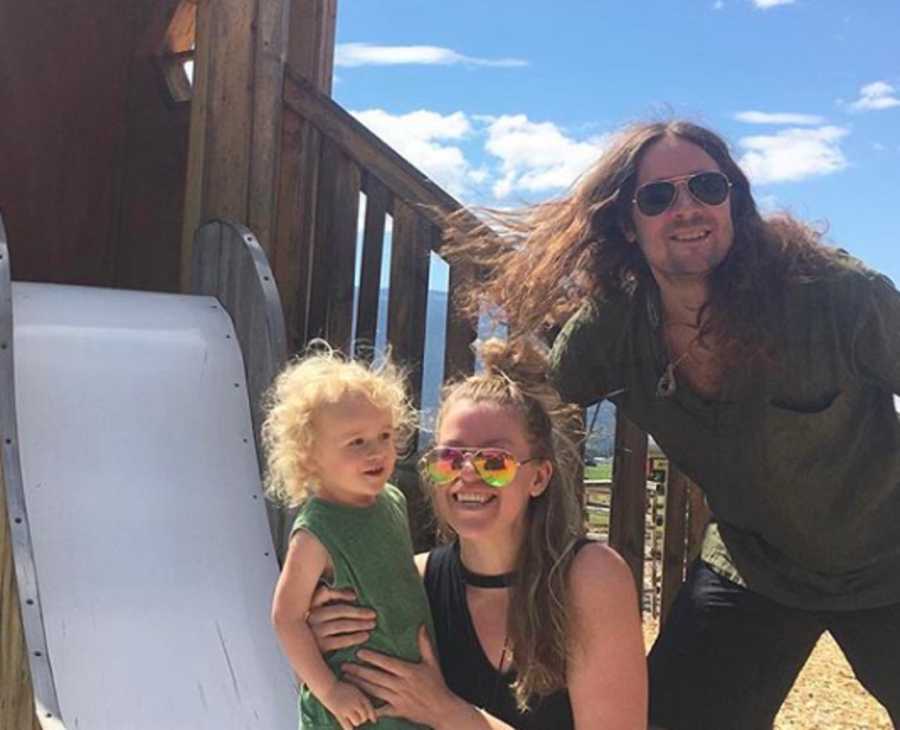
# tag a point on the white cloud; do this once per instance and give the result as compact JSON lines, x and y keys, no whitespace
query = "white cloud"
{"x":522,"y":157}
{"x":793,"y":154}
{"x":367,"y":54}
{"x":876,"y":96}
{"x":422,"y":138}
{"x":766,"y":4}
{"x":754,"y":117}
{"x":536,"y":156}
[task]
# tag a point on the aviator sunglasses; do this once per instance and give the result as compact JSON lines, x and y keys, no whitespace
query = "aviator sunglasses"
{"x":709,"y":188}
{"x":496,"y":467}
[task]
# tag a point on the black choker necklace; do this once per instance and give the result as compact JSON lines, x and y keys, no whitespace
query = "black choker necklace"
{"x":479,"y":580}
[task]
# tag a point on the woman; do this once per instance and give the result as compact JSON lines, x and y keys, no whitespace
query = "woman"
{"x":536,"y":627}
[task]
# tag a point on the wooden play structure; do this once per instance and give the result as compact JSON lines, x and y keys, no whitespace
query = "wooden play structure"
{"x":113,"y":159}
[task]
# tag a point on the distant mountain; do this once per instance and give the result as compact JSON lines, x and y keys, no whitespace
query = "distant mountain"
{"x":600,"y":442}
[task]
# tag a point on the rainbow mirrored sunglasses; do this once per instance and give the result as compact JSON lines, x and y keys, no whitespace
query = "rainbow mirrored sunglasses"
{"x":442,"y":465}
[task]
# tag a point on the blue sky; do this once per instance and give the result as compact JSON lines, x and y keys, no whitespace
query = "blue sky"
{"x":505,"y":103}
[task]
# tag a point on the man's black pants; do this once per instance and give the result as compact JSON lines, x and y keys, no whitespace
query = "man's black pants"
{"x":727,"y":657}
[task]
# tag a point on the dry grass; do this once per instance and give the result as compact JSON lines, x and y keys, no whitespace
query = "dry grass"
{"x":826,"y":695}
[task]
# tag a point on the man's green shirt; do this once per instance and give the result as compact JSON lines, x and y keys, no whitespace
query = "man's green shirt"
{"x":800,"y":461}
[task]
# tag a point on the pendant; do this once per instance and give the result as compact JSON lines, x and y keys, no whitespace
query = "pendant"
{"x":666,"y":385}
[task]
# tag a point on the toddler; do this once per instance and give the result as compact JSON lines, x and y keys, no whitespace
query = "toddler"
{"x":331,"y":436}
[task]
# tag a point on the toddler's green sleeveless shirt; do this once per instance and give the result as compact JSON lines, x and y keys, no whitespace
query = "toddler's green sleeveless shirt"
{"x":372,"y":553}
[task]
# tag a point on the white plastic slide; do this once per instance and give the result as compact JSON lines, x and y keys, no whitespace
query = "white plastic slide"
{"x":143,"y":553}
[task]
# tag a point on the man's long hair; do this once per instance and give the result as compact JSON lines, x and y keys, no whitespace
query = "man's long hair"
{"x":538,"y":264}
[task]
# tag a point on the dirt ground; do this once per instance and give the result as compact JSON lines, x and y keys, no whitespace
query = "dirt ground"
{"x":826,"y":695}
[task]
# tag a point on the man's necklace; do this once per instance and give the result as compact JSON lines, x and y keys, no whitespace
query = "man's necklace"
{"x":667,"y":384}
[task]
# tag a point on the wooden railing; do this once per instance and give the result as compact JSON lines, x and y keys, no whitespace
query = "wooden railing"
{"x":344,"y":159}
{"x":328,"y":159}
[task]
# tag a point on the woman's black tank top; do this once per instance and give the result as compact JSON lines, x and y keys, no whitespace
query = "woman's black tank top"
{"x":467,"y":671}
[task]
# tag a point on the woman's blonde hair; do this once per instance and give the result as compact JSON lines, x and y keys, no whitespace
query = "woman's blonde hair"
{"x":515,"y":377}
{"x":319,"y":378}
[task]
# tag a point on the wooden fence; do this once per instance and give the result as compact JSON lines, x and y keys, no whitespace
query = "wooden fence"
{"x":328,"y":159}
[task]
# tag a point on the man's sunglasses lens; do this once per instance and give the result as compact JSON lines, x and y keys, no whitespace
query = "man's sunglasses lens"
{"x":654,"y":198}
{"x":495,"y":467}
{"x":710,"y":188}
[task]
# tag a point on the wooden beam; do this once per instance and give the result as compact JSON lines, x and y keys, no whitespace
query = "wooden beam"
{"x":235,"y":137}
{"x":310,"y":52}
{"x":459,"y":359}
{"x":674,"y":539}
{"x":337,"y":212}
{"x":403,"y":179}
{"x":412,"y":241}
{"x":181,"y":30}
{"x":628,"y":504}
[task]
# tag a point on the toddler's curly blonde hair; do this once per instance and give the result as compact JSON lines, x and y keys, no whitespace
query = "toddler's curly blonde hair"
{"x":317,"y":379}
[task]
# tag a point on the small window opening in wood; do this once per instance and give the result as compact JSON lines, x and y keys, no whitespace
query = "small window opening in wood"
{"x":177,"y":52}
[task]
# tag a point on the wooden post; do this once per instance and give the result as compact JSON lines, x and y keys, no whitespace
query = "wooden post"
{"x":310,"y":55}
{"x":459,"y":360}
{"x":236,"y":117}
{"x":412,"y":242}
{"x":674,"y":539}
{"x":330,"y":308}
{"x":628,"y":505}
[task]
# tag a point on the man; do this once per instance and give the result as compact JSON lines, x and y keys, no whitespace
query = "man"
{"x":764,"y":364}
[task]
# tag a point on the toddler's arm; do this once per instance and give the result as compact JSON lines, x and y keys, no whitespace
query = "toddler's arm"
{"x":304,"y":564}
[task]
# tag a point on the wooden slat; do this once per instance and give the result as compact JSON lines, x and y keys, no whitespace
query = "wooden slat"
{"x":221,"y":120}
{"x":698,"y":517}
{"x":674,"y":539}
{"x":311,"y":46}
{"x":412,"y":240}
{"x":229,"y":106}
{"x":288,"y":264}
{"x":269,"y":34}
{"x":459,"y":359}
{"x":337,"y":208}
{"x":629,"y":496}
{"x":180,"y":34}
{"x":292,"y":257}
{"x":402,"y":178}
{"x":235,"y":135}
{"x":378,"y":200}
{"x":193,"y":192}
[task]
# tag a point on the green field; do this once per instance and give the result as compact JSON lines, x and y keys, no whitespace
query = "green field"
{"x":604,"y":471}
